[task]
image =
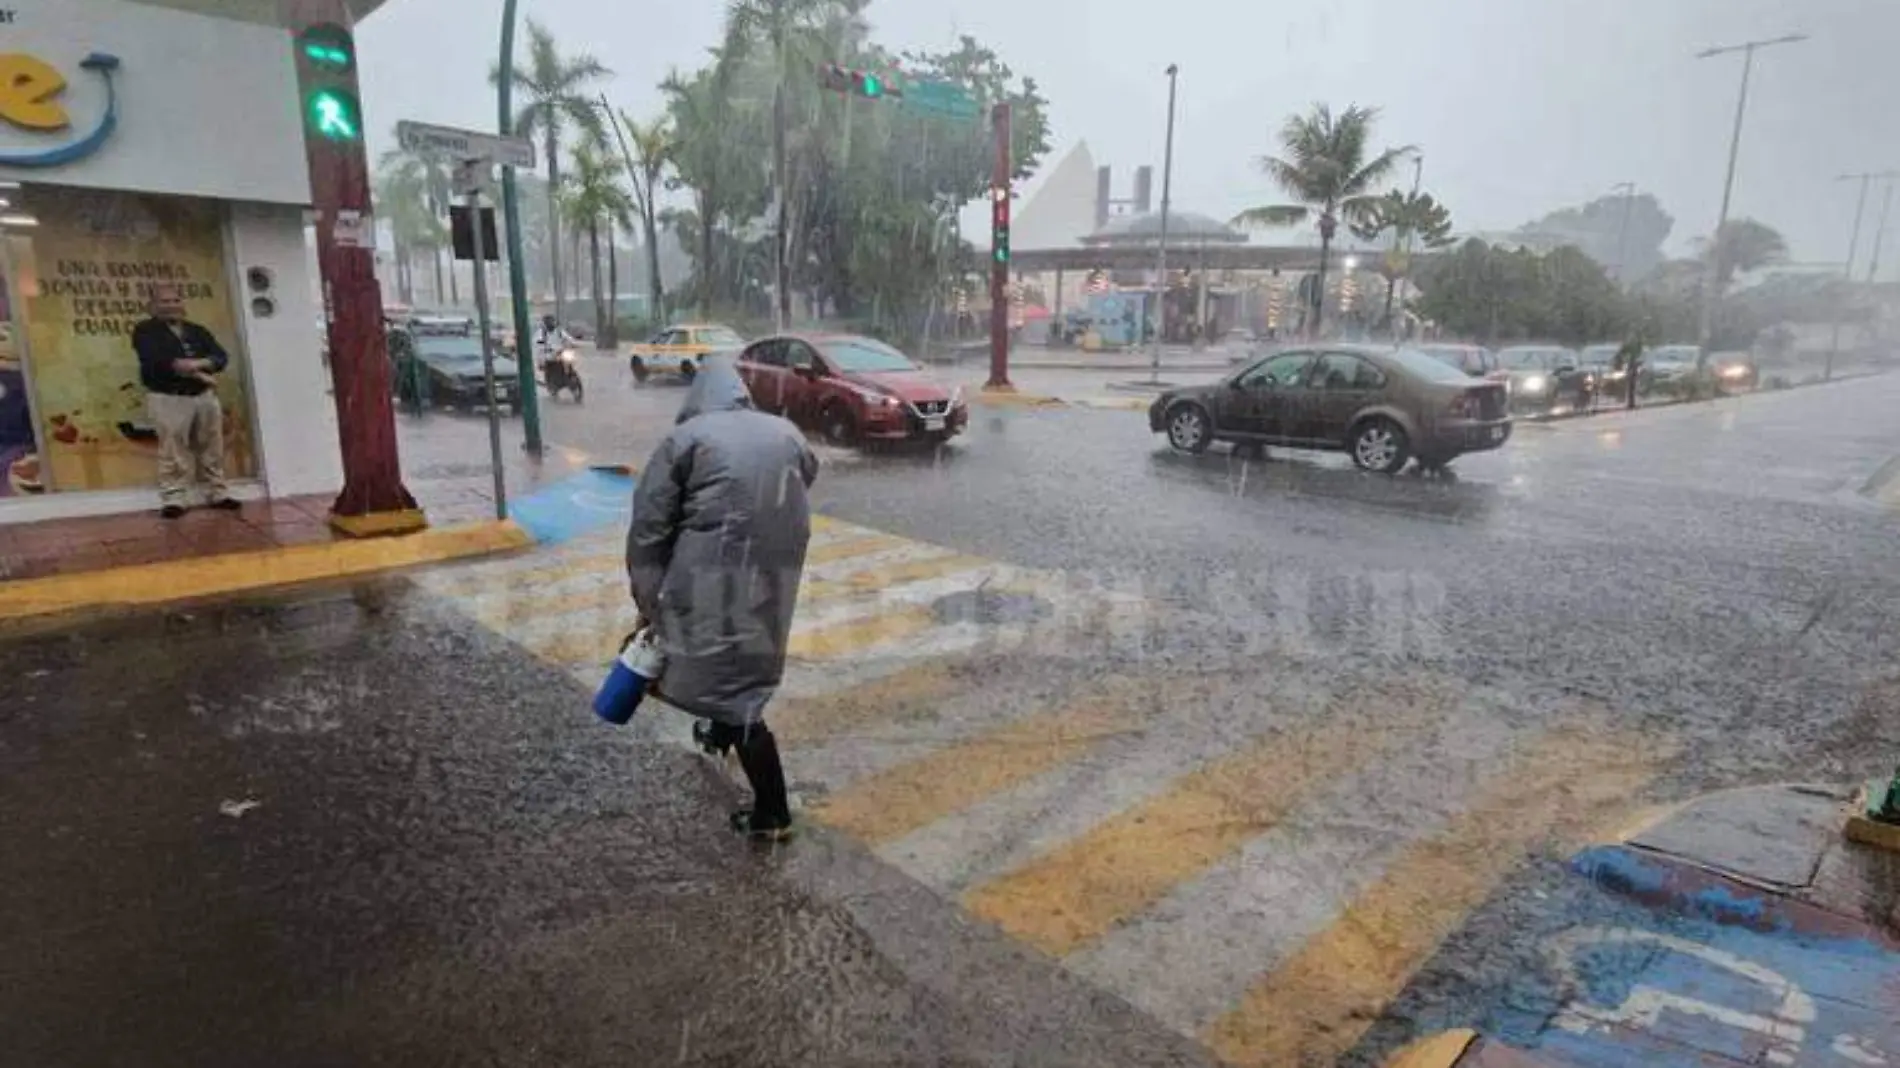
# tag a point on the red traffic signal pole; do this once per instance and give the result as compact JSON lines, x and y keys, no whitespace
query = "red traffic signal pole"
{"x":999,"y":252}
{"x":374,"y":499}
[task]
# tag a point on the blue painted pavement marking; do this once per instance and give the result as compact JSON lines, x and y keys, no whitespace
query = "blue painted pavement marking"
{"x":574,"y":506}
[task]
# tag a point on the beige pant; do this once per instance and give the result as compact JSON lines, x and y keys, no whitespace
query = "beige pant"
{"x":190,"y":444}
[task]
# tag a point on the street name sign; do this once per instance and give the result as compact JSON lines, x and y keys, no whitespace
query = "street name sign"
{"x":446,"y":142}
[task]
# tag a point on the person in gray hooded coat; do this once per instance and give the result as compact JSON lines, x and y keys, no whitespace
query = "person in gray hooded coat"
{"x":714,"y":556}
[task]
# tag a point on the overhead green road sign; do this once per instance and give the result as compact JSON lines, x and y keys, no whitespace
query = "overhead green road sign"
{"x":941,"y":98}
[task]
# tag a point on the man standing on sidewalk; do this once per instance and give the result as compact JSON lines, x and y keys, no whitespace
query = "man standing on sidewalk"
{"x":177,"y":362}
{"x":1629,"y":360}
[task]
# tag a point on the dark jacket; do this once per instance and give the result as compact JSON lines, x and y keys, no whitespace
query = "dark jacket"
{"x":158,"y":345}
{"x":717,"y":546}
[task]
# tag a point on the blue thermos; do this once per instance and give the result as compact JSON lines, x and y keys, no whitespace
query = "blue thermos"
{"x":639,"y":663}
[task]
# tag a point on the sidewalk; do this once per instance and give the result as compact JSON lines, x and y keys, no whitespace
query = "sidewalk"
{"x":1740,"y":929}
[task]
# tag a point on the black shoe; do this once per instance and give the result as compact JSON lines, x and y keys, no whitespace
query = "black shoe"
{"x":172,"y":511}
{"x":743,"y":823}
{"x":227,"y":504}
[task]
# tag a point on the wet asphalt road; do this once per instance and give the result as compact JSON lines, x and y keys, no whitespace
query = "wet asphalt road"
{"x":449,"y":863}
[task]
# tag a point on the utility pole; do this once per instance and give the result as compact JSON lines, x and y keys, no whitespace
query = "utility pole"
{"x":1880,"y":232}
{"x":525,"y":387}
{"x":999,"y":252}
{"x":1866,"y":180}
{"x":1623,"y":231}
{"x":1713,"y":272}
{"x":1161,"y":264}
{"x":1395,"y":293}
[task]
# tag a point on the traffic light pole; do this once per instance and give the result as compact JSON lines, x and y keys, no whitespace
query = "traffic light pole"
{"x":374,"y":499}
{"x":999,"y":252}
{"x":517,"y":262}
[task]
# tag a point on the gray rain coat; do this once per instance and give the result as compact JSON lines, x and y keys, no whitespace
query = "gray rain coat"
{"x":717,"y":546}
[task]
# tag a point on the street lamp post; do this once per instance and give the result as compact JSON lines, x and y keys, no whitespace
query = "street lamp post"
{"x":1713,"y":273}
{"x":1161,"y":265}
{"x":1880,"y":231}
{"x":1866,"y":180}
{"x":1623,"y":231}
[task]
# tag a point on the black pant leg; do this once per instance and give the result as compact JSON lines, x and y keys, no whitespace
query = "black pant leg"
{"x":758,"y":755}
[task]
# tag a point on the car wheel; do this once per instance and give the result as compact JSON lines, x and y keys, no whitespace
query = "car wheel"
{"x":1379,"y":445}
{"x":688,"y":370}
{"x":1189,"y":429}
{"x":639,"y":368}
{"x":840,"y":427}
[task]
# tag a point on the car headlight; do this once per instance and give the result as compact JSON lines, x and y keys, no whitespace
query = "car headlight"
{"x":1734,"y":371}
{"x":1535,"y":384}
{"x":956,"y":397}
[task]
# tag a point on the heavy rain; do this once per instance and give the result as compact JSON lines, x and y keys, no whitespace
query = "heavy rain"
{"x":860,"y":532}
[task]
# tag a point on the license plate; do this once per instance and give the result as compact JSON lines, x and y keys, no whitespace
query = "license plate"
{"x":1497,"y":433}
{"x":933,"y":422}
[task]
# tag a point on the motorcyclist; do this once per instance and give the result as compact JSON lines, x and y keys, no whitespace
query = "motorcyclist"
{"x":551,"y":338}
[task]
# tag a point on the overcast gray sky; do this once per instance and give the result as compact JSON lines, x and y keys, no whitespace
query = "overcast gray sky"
{"x":1519,"y":107}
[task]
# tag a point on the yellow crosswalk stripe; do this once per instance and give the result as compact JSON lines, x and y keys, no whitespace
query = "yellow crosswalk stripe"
{"x":1074,"y":895}
{"x":848,"y":547}
{"x":881,"y":578}
{"x":843,"y":639}
{"x":1317,"y":1006}
{"x":893,"y":803}
{"x":508,"y":611}
{"x":888,"y":702}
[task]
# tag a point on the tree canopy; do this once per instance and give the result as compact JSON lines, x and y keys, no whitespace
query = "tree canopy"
{"x":1598,"y":230}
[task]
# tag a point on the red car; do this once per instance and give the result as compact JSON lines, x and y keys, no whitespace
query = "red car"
{"x":852,"y":389}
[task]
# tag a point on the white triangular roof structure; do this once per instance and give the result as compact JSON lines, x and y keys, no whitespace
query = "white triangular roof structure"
{"x":1061,"y":212}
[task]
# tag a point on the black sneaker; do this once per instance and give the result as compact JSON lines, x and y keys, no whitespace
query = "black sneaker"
{"x":172,"y":511}
{"x":743,"y":823}
{"x":227,"y":504}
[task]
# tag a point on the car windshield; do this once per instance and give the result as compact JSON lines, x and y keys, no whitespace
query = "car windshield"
{"x":720,"y":335}
{"x":1463,"y":357}
{"x":453,"y":350}
{"x":1527,"y":359}
{"x":1681,"y":353}
{"x":861,"y":354}
{"x":1424,"y":365}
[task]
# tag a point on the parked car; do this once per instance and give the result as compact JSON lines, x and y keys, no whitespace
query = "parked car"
{"x":1474,"y":360}
{"x":680,"y":350}
{"x":1664,"y":365}
{"x":1382,"y":406}
{"x":1542,"y":378}
{"x":851,"y":389}
{"x":452,"y":374}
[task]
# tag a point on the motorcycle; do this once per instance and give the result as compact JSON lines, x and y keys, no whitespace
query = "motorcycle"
{"x":561,"y":371}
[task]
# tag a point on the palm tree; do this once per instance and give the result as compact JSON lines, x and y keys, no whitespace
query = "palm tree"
{"x":402,"y":201}
{"x":1744,"y":245}
{"x":781,"y":25}
{"x":430,"y":185}
{"x":593,"y":197}
{"x":702,"y":115}
{"x":556,"y":91}
{"x":646,"y":149}
{"x":1405,"y":216}
{"x":1325,"y":169}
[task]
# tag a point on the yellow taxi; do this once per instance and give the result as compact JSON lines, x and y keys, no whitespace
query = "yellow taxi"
{"x":679,"y":350}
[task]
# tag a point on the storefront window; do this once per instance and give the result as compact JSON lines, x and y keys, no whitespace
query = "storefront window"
{"x":80,"y":279}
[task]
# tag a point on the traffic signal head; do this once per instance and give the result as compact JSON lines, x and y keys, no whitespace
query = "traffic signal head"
{"x":841,"y":79}
{"x":328,"y":47}
{"x":334,"y":114}
{"x":999,"y":224}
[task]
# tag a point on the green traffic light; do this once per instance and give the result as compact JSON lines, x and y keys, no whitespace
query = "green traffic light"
{"x":334,"y":115}
{"x":873,"y":86}
{"x":329,"y":46}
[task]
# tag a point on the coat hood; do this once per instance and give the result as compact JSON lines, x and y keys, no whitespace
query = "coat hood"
{"x":716,"y":388}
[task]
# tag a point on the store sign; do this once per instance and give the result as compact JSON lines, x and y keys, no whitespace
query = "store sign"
{"x":32,"y":100}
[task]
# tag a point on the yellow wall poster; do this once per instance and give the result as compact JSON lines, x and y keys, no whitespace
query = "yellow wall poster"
{"x":95,"y":257}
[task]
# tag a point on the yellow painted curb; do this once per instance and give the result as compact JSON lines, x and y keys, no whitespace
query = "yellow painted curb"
{"x":380,"y":524}
{"x":210,"y":576}
{"x":1873,"y":833}
{"x":1012,"y":399}
{"x":1441,"y":1050}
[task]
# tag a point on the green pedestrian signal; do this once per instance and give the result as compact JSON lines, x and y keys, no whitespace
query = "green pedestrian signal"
{"x":873,"y":86}
{"x":328,"y":47}
{"x":334,"y":115}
